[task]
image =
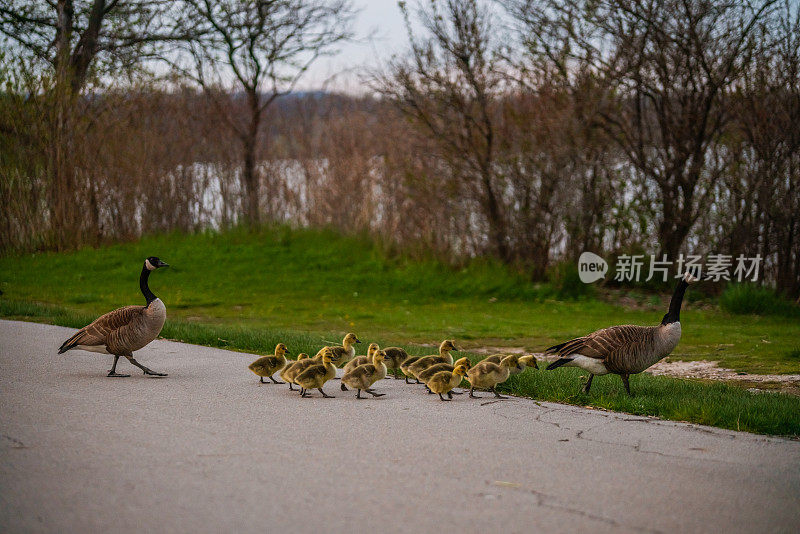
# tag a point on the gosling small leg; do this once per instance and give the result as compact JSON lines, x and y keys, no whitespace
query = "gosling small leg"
{"x":144,"y":369}
{"x":588,"y":384}
{"x":113,"y":372}
{"x":454,"y":392}
{"x":449,"y":395}
{"x":472,"y":393}
{"x":276,"y":381}
{"x":496,"y":394}
{"x":291,"y":388}
{"x":440,"y":396}
{"x":304,"y":392}
{"x":343,"y":387}
{"x":325,"y":394}
{"x":358,"y":395}
{"x":261,"y":379}
{"x":627,"y":385}
{"x":407,"y":382}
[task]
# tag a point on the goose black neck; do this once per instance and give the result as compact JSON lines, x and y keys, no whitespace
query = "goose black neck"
{"x":143,"y":285}
{"x":674,"y":313}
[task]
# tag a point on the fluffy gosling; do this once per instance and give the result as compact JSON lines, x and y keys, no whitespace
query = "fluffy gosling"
{"x":445,"y":381}
{"x":486,"y":375}
{"x":423,"y":363}
{"x":266,"y":366}
{"x":345,"y":352}
{"x":395,"y":356}
{"x":363,"y":376}
{"x":359,"y":360}
{"x":315,"y":376}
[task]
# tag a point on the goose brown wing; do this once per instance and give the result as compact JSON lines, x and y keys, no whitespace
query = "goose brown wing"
{"x":602,"y":344}
{"x":312,"y":372}
{"x":97,"y":332}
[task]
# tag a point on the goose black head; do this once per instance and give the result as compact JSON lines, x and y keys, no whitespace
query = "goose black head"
{"x":152,"y":263}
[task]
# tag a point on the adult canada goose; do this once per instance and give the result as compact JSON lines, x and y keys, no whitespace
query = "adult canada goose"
{"x":627,"y":349}
{"x":363,"y":376}
{"x":125,"y":330}
{"x":266,"y":366}
{"x":395,"y":356}
{"x":445,"y":381}
{"x":358,"y":360}
{"x":486,"y":375}
{"x":423,"y":363}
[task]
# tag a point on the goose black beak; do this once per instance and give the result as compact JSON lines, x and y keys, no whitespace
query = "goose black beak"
{"x":162,"y":264}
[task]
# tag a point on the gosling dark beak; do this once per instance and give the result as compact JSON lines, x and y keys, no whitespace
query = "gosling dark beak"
{"x":455,"y":349}
{"x":287,"y":352}
{"x":358,"y":340}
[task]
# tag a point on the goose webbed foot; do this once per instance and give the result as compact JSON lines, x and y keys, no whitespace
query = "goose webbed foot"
{"x":440,"y":396}
{"x":145,"y":370}
{"x":472,"y":394}
{"x":496,"y":394}
{"x":326,"y":395}
{"x":343,"y":387}
{"x":454,"y":392}
{"x":276,"y":381}
{"x":372,"y":392}
{"x":114,"y":374}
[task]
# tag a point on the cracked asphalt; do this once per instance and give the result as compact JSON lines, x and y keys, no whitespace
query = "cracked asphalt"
{"x":208,"y":449}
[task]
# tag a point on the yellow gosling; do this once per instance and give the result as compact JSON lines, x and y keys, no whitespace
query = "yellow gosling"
{"x":426,"y":375}
{"x":525,"y":361}
{"x":345,"y":352}
{"x":358,"y":360}
{"x":266,"y":366}
{"x":291,"y":371}
{"x":315,"y":376}
{"x":445,"y":381}
{"x":395,"y":356}
{"x":444,"y":356}
{"x":486,"y":375}
{"x":363,"y":376}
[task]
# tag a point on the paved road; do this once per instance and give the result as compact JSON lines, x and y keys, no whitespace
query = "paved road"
{"x":208,"y":449}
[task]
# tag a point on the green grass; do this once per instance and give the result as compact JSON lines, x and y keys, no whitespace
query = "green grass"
{"x":247,"y":291}
{"x":750,"y":299}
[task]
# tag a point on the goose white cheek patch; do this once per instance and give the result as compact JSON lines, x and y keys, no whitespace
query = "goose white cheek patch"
{"x":149,"y":265}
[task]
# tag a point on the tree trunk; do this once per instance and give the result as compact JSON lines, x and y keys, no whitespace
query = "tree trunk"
{"x":250,"y":176}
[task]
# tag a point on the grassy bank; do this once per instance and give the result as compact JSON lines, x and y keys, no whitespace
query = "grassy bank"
{"x":247,"y":291}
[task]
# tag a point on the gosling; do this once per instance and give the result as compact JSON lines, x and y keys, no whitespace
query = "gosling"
{"x":525,"y":361}
{"x":395,"y":356}
{"x":486,"y":375}
{"x":266,"y":366}
{"x":315,"y":376}
{"x":426,"y":361}
{"x":290,"y":372}
{"x":345,"y":352}
{"x":359,"y":360}
{"x":444,"y":357}
{"x":445,"y":381}
{"x":426,"y":375}
{"x":363,"y":376}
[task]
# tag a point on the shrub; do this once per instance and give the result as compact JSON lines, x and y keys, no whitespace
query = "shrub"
{"x":752,"y":299}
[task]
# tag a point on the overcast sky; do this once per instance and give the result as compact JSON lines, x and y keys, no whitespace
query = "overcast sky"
{"x":382,"y":22}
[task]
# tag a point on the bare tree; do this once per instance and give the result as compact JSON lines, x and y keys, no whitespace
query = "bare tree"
{"x":447,"y":85}
{"x":668,"y":65}
{"x":263,"y":47}
{"x":75,"y":42}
